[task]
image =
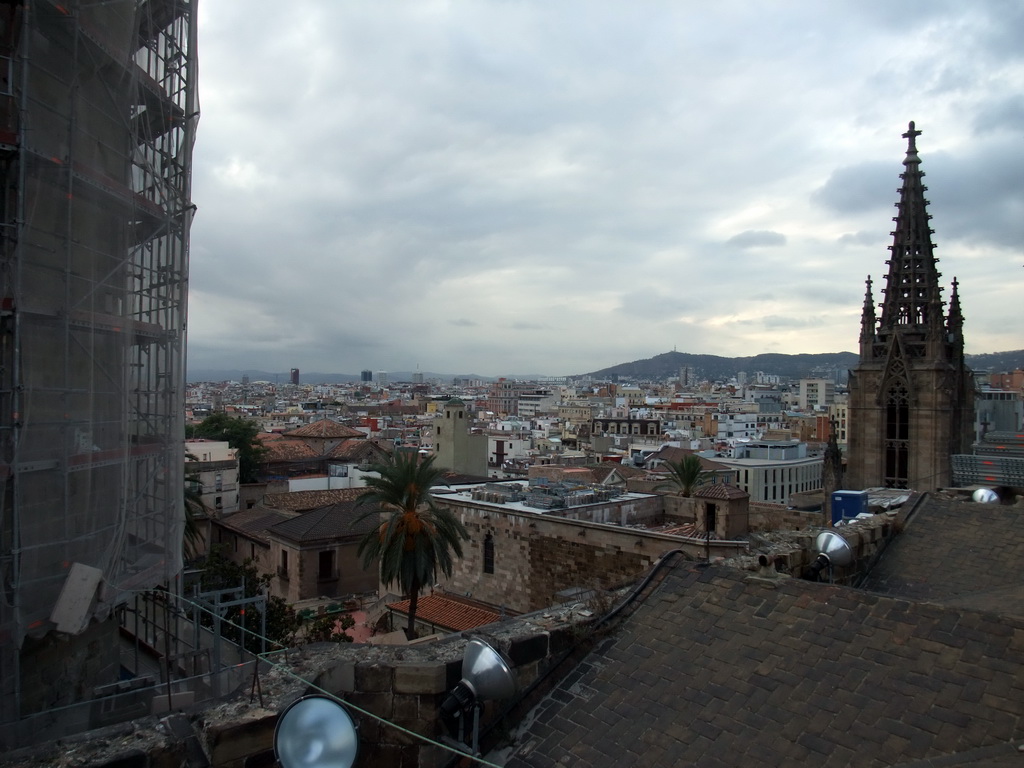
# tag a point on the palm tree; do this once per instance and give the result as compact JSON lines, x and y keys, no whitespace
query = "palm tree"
{"x":687,"y":474}
{"x":415,"y":538}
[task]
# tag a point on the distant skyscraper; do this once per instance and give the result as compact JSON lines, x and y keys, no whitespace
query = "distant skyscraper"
{"x":911,"y":395}
{"x":366,"y":376}
{"x":294,"y":376}
{"x":382,"y":378}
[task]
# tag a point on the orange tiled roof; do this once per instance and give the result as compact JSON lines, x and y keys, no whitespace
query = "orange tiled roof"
{"x":326,"y":428}
{"x":299,"y":501}
{"x":280,"y":448}
{"x":720,"y":491}
{"x":447,"y":613}
{"x":353,"y":448}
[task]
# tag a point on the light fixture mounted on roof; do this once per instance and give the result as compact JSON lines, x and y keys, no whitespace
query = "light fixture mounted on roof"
{"x":486,"y":676}
{"x":316,"y":732}
{"x":833,"y":550}
{"x":985,"y":496}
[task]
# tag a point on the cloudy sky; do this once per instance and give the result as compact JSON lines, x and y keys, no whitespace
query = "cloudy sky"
{"x":519,"y":186}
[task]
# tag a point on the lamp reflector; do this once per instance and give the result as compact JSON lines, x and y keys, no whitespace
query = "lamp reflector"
{"x":835,"y":548}
{"x":487,"y":672}
{"x":316,"y":732}
{"x":985,"y":496}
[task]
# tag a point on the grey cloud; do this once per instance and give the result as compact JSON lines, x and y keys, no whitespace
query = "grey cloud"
{"x":781,"y":321}
{"x":863,"y":237}
{"x":463,"y":322}
{"x":757,"y":239}
{"x":524,"y":326}
{"x":859,"y":188}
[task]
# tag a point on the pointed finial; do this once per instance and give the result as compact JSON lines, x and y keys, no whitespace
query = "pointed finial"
{"x":911,"y":136}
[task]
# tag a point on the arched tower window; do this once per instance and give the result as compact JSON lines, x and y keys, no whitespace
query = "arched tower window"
{"x":488,"y":553}
{"x":897,"y":435}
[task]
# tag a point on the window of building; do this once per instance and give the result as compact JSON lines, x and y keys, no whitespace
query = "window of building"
{"x":326,"y":569}
{"x":284,"y":562}
{"x":488,"y":553}
{"x":897,"y":436}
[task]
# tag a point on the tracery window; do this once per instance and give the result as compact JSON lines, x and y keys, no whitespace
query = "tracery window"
{"x":897,"y":436}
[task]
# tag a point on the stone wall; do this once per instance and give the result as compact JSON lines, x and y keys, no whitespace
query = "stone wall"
{"x":58,"y":670}
{"x":536,"y":556}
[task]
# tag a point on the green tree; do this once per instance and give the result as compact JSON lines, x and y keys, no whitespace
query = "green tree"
{"x":415,"y":538}
{"x":686,"y":474}
{"x":324,"y":628}
{"x":221,"y":573}
{"x":240,"y":435}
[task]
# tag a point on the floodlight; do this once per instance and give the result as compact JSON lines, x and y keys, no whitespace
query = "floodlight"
{"x":486,"y":676}
{"x":316,"y":732}
{"x":985,"y":496}
{"x":833,"y":550}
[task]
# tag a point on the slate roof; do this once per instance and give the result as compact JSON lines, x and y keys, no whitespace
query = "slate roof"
{"x":252,"y":522}
{"x":447,"y":613}
{"x":957,"y":553}
{"x":325,"y":428}
{"x":337,"y":521}
{"x":719,"y":668}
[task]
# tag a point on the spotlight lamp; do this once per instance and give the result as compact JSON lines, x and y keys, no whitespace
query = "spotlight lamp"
{"x":985,"y":496}
{"x":316,"y":732}
{"x":486,"y":676}
{"x":833,"y":550}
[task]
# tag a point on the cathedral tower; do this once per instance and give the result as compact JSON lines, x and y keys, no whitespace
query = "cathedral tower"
{"x":911,"y":396}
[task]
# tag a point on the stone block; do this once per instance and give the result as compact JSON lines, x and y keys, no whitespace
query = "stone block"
{"x":420,"y":678}
{"x":373,"y":677}
{"x":527,"y":649}
{"x":341,"y":678}
{"x":230,"y":743}
{"x":405,"y":708}
{"x":380,"y":703}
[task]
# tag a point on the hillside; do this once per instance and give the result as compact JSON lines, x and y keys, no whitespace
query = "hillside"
{"x":718,"y":368}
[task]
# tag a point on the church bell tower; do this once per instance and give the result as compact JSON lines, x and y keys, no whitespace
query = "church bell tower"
{"x":911,"y":395}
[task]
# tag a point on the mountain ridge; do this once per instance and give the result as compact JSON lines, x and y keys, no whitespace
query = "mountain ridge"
{"x":665,"y":365}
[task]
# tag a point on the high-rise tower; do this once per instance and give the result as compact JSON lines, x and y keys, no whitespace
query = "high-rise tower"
{"x":911,"y":396}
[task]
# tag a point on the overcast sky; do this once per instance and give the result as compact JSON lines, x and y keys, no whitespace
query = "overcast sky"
{"x":554,"y":187}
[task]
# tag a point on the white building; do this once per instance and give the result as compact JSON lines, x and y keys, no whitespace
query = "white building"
{"x":212,"y":467}
{"x":815,"y":394}
{"x":771,"y":471}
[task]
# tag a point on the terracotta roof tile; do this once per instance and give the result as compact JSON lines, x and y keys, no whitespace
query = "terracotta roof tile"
{"x":280,"y":448}
{"x":325,"y":428}
{"x":354,"y":449}
{"x":447,"y":613}
{"x":720,"y":491}
{"x":303,"y":501}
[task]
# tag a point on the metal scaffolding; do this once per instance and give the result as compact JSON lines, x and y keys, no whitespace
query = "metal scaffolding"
{"x":97,"y":120}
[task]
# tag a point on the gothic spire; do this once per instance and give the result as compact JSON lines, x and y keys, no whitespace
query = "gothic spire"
{"x":867,"y":318}
{"x":912,"y":292}
{"x":955,"y":321}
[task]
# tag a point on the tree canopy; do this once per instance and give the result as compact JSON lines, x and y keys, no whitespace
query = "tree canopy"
{"x":416,"y":538}
{"x":687,"y":474}
{"x":240,"y":435}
